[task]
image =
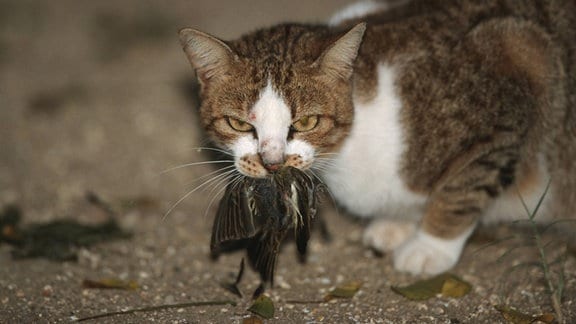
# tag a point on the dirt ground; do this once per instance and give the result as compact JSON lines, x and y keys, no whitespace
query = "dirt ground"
{"x":95,"y":97}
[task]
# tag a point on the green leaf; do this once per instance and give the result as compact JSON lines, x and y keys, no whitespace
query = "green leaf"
{"x":447,"y":285}
{"x":347,"y":290}
{"x":454,"y":287}
{"x":263,"y":306}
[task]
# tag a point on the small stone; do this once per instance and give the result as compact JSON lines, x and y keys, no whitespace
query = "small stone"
{"x":169,"y":299}
{"x":422,"y":307}
{"x":143,"y":275}
{"x":47,"y":291}
{"x":324,"y":280}
{"x":438,"y":310}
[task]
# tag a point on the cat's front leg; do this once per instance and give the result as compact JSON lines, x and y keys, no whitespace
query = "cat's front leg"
{"x":436,"y":245}
{"x":429,"y":254}
{"x":454,"y":208}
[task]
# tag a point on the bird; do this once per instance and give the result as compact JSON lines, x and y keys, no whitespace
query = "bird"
{"x":256,"y":214}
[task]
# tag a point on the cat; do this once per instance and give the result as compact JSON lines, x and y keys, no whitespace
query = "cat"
{"x":427,"y":116}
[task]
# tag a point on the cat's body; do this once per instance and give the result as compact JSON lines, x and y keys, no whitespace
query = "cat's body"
{"x":437,"y":113}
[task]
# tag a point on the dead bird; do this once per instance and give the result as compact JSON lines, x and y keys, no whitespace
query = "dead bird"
{"x":256,"y":214}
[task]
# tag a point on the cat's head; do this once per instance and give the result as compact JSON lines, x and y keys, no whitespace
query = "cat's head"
{"x":279,"y":96}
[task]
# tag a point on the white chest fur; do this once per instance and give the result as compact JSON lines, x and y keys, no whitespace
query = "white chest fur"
{"x":365,"y":176}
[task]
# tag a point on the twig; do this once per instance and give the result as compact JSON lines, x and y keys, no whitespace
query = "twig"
{"x":159,"y":307}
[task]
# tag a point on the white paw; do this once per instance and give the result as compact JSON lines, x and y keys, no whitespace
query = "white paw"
{"x":386,"y":235}
{"x":427,"y":254}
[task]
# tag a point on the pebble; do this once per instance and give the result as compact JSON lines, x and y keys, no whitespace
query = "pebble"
{"x":169,"y":299}
{"x":47,"y":291}
{"x":324,"y":280}
{"x":422,"y":307}
{"x":143,"y":275}
{"x":438,"y":310}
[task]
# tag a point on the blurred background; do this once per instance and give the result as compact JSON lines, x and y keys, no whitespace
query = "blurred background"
{"x":95,"y":95}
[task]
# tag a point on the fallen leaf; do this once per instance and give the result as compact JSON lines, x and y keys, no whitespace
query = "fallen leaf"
{"x":252,"y":320}
{"x":263,"y":306}
{"x":110,"y":283}
{"x":454,"y":287}
{"x":448,"y":285}
{"x":516,"y":317}
{"x":347,"y":290}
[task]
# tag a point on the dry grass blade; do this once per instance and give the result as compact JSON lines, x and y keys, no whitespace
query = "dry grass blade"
{"x":159,"y":307}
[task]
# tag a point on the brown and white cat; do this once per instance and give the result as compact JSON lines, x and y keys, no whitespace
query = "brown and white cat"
{"x":429,"y":116}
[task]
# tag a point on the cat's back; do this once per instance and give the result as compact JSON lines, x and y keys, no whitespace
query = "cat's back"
{"x":466,"y":72}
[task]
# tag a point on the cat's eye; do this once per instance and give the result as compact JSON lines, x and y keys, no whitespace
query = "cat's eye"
{"x":305,"y":123}
{"x":239,"y":125}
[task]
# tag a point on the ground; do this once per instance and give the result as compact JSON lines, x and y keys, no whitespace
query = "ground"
{"x":96,"y":97}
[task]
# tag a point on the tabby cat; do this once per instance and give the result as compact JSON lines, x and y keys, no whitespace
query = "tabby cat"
{"x":428,"y":116}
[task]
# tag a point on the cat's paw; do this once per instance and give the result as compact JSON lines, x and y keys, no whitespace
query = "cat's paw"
{"x":427,"y":254}
{"x":385,"y":235}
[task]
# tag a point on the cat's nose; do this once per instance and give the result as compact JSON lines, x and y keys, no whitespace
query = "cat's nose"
{"x":272,"y":162}
{"x":272,"y":154}
{"x":273,"y":167}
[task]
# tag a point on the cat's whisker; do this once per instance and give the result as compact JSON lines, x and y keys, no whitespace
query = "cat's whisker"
{"x":329,"y":168}
{"x":195,"y":164}
{"x":216,"y":184}
{"x":332,"y":198}
{"x":202,"y":185}
{"x":326,"y":154}
{"x":233,"y":182}
{"x":213,"y":173}
{"x":325,"y":165}
{"x":326,"y":159}
{"x":204,"y":148}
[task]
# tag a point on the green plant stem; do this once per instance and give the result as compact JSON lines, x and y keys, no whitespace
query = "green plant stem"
{"x":554,"y":290}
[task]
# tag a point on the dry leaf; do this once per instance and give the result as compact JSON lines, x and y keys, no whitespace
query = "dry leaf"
{"x":263,"y":306}
{"x":448,"y":285}
{"x":515,"y":317}
{"x":347,"y":290}
{"x":252,"y":320}
{"x":110,"y":283}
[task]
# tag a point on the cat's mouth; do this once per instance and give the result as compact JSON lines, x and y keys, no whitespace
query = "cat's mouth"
{"x":252,"y":165}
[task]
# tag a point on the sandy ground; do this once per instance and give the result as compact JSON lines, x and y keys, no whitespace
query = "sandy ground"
{"x":94,"y":96}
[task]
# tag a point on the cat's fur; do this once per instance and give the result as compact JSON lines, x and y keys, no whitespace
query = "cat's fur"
{"x":436,"y":113}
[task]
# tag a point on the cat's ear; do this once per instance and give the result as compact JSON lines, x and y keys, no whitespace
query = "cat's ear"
{"x":338,"y":60}
{"x":209,"y":56}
